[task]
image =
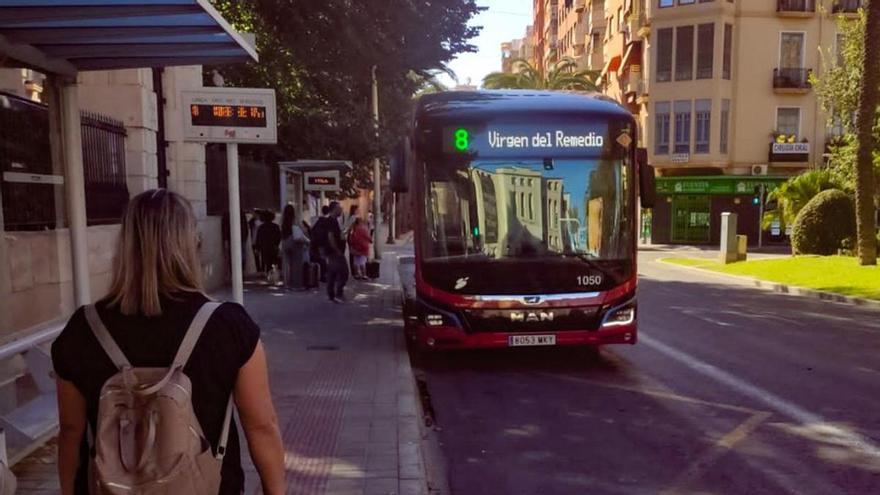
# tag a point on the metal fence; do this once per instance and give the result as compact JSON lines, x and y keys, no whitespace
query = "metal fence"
{"x":103,"y":142}
{"x":32,"y":187}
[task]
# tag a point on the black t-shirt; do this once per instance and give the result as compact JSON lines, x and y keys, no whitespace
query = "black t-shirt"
{"x":226,"y":344}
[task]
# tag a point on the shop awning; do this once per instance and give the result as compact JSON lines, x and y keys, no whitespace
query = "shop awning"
{"x":633,"y":56}
{"x":67,"y":36}
{"x":610,"y":66}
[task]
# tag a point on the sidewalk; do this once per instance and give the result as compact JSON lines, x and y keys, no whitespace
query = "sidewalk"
{"x":342,"y":386}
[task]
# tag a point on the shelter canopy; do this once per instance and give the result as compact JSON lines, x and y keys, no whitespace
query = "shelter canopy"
{"x":67,"y":36}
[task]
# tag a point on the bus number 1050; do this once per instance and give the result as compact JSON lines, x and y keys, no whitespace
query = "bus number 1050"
{"x":589,"y":280}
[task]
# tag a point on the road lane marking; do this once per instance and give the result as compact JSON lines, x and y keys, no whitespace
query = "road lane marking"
{"x":695,"y":313}
{"x":850,"y":439}
{"x":724,"y":444}
{"x":655,"y":393}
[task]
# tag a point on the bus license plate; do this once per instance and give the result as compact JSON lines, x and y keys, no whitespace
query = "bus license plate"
{"x":530,"y":340}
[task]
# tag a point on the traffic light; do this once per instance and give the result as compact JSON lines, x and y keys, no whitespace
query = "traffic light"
{"x":758,"y":197}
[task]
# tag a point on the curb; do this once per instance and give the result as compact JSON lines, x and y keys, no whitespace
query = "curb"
{"x":791,"y":290}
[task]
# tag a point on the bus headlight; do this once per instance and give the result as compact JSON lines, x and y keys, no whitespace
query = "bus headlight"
{"x":625,"y":314}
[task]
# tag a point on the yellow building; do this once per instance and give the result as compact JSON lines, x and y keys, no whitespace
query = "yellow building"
{"x":719,"y":88}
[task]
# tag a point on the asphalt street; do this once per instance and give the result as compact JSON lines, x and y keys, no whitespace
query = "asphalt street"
{"x":731,"y":389}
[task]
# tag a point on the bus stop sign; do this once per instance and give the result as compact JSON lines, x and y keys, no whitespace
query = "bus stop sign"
{"x":230,"y":115}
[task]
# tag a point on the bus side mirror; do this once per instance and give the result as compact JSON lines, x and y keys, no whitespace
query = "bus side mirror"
{"x":399,"y":161}
{"x":647,"y":182}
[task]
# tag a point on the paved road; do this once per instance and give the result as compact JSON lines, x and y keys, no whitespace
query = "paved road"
{"x":730,"y":390}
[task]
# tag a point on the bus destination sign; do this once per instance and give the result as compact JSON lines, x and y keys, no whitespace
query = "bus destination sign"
{"x":230,"y":115}
{"x":526,"y":140}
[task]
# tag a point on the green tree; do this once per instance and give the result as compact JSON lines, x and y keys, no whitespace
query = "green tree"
{"x":846,"y":91}
{"x":318,"y":55}
{"x":564,"y":74}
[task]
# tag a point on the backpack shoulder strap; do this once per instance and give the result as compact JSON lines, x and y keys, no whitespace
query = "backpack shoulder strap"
{"x":193,"y":333}
{"x":104,"y":338}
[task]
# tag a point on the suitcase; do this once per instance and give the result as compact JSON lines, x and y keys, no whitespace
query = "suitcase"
{"x":311,"y":275}
{"x":373,"y":269}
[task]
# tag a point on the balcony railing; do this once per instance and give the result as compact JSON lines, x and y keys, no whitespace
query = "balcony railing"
{"x":846,"y":6}
{"x":805,"y":6}
{"x":792,"y":78}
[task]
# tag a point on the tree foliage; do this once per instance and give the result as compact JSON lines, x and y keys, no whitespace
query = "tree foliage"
{"x":838,"y":93}
{"x":318,"y":56}
{"x":824,"y":223}
{"x":564,"y":74}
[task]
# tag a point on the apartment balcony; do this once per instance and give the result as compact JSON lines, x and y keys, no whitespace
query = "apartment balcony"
{"x":789,"y":153}
{"x":792,"y":80}
{"x":796,"y":8}
{"x":847,"y":6}
{"x":580,"y":5}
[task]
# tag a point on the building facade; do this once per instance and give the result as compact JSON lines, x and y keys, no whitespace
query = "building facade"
{"x":35,"y":254}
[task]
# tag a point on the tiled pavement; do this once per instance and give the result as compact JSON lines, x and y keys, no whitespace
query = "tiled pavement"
{"x":343,"y":388}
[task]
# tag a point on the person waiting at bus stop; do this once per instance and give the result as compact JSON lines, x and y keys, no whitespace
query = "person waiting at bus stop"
{"x":328,"y":235}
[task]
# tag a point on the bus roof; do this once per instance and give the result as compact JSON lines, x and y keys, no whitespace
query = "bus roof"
{"x":489,"y":104}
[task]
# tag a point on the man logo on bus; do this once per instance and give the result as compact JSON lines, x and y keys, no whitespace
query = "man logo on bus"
{"x":531,"y":316}
{"x":461,"y":283}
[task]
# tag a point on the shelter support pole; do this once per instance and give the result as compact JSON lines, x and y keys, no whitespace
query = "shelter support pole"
{"x":377,"y":171}
{"x":67,"y":91}
{"x":234,"y":222}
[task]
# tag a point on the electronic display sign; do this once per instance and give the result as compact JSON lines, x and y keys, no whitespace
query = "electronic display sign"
{"x":523,"y":140}
{"x":322,"y":181}
{"x":230,"y":115}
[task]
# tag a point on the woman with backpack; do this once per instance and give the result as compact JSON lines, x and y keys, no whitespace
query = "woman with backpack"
{"x":294,"y":248}
{"x":145,"y":404}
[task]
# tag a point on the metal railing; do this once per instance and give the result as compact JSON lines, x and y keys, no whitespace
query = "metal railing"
{"x":846,"y":6}
{"x":792,"y":78}
{"x":28,"y":411}
{"x":24,"y":148}
{"x":795,"y":5}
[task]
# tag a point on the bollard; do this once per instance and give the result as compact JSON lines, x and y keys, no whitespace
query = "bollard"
{"x":728,"y":238}
{"x":742,"y":246}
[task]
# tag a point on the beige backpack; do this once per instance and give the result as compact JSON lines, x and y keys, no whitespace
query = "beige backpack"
{"x":148,"y":439}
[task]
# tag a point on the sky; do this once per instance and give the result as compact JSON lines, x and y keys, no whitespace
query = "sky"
{"x":504,"y":20}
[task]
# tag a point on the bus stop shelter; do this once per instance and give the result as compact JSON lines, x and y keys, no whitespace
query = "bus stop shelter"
{"x":291,"y":175}
{"x":61,"y":38}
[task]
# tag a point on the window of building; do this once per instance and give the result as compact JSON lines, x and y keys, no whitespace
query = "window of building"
{"x":791,"y":50}
{"x":684,"y":53}
{"x":686,"y":2}
{"x":725,"y":117}
{"x":728,"y":51}
{"x":664,"y":55}
{"x":788,"y":121}
{"x":705,"y":50}
{"x":682,"y":126}
{"x":661,"y":128}
{"x":666,"y":3}
{"x":703,"y":123}
{"x":621,"y":24}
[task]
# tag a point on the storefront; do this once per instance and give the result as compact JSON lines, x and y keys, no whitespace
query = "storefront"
{"x":688,"y":209}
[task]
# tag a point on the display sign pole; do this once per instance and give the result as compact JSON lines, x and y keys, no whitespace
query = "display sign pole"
{"x":231,"y":116}
{"x":234,"y":222}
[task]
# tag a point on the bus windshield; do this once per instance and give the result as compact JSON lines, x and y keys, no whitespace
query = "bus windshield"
{"x":528,"y":209}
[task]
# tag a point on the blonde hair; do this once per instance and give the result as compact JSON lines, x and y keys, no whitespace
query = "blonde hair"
{"x":157,"y":253}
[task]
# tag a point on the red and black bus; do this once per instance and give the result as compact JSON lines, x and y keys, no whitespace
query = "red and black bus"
{"x":526,"y":219}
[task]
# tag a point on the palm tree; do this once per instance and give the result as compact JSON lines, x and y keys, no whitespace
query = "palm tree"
{"x":869,"y":99}
{"x":564,"y":74}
